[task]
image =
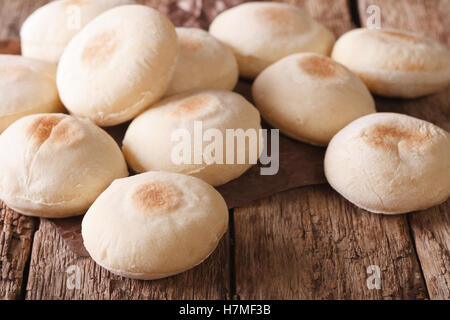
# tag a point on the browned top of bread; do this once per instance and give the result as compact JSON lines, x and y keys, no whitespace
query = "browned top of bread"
{"x":387,"y":136}
{"x":319,"y":67}
{"x":155,"y":196}
{"x":99,"y":48}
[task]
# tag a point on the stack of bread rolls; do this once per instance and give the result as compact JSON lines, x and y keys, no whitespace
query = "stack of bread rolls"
{"x":126,"y":62}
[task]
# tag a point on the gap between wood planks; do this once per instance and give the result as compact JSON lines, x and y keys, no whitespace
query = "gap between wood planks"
{"x":413,"y":241}
{"x":354,"y":12}
{"x":26,"y":269}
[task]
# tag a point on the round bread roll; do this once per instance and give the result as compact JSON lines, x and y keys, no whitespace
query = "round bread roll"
{"x":179,"y":134}
{"x":47,"y":31}
{"x":27,"y":86}
{"x":309,"y":97}
{"x":56,"y":165}
{"x":154,"y":225}
{"x":261,"y":33}
{"x":394,"y":63}
{"x":203,"y":63}
{"x":118,"y":65}
{"x":390,"y":163}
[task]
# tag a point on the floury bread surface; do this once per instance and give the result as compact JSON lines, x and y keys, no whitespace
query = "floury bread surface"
{"x":394,"y":63}
{"x":390,"y":163}
{"x":154,"y":225}
{"x":47,"y":31}
{"x":55,"y":165}
{"x":118,"y":65}
{"x":310,"y":97}
{"x":203,"y":63}
{"x":27,"y":86}
{"x":261,"y":33}
{"x":169,"y":129}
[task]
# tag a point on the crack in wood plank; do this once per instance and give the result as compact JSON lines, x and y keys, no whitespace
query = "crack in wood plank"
{"x":16,"y":233}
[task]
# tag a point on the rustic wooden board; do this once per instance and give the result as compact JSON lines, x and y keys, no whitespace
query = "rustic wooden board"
{"x":53,"y":270}
{"x":431,"y":231}
{"x":310,"y":243}
{"x":430,"y":228}
{"x":16,"y":233}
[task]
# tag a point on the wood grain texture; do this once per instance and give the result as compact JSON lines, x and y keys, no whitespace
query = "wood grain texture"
{"x":430,"y":228}
{"x":431,"y":231}
{"x":53,"y":267}
{"x":16,"y":233}
{"x":309,"y":243}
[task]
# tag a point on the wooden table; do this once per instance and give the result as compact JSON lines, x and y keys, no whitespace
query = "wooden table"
{"x":307,"y":243}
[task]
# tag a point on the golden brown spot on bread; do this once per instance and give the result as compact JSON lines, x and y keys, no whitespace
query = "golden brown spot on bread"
{"x":192,"y":104}
{"x":155,"y":196}
{"x":42,"y":127}
{"x":99,"y":48}
{"x":66,"y":132}
{"x":389,"y":136}
{"x":320,"y":67}
{"x":54,"y":130}
{"x":189,"y":43}
{"x":278,"y":16}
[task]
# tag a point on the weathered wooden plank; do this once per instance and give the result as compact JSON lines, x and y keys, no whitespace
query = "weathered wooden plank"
{"x":310,"y":243}
{"x":430,"y":228}
{"x":16,"y":233}
{"x":54,"y":270}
